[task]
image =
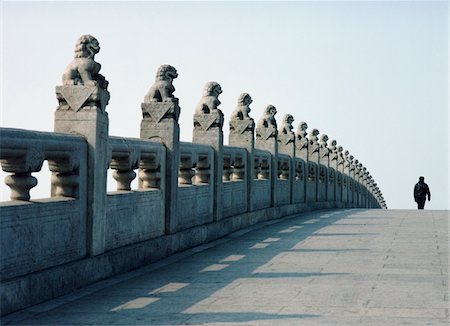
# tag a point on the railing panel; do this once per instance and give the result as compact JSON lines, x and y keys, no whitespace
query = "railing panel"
{"x":39,"y":234}
{"x":261,"y":180}
{"x":299,"y":181}
{"x":135,"y":215}
{"x":283,"y":193}
{"x":234,"y":181}
{"x":196,"y":189}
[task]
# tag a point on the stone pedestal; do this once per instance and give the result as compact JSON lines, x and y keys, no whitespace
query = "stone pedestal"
{"x":160,"y":124}
{"x":81,"y":111}
{"x":208,"y":131}
{"x":286,"y":145}
{"x":312,"y":180}
{"x":242,"y":135}
{"x":301,"y":157}
{"x":266,"y":139}
{"x":323,"y":174}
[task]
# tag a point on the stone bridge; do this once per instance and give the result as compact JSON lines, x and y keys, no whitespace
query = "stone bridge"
{"x":188,"y":194}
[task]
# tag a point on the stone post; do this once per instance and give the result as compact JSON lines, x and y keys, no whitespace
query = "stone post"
{"x":356,"y":192}
{"x":160,"y":113}
{"x":208,"y":123}
{"x":347,"y":184}
{"x":301,"y":158}
{"x":360,"y":183}
{"x":353,"y":190}
{"x":286,"y":145}
{"x":324,"y":163}
{"x":81,"y":110}
{"x":364,"y":182}
{"x":267,"y":139}
{"x":313,"y":163}
{"x":340,"y":175}
{"x":242,"y":129}
{"x":331,"y":188}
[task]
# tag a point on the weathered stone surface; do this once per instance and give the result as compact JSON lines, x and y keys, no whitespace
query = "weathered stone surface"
{"x":208,"y":123}
{"x":267,"y":140}
{"x":162,"y":90}
{"x":160,"y":113}
{"x":341,"y":267}
{"x":83,"y":72}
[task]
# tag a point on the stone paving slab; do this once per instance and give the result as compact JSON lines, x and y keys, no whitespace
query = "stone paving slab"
{"x":340,"y":267}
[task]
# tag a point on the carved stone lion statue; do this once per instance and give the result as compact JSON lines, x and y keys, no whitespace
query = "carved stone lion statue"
{"x":268,"y":119}
{"x":324,"y":145}
{"x":84,"y":70}
{"x":286,"y":126}
{"x":313,"y":136}
{"x":243,"y":108}
{"x":162,"y":90}
{"x":323,"y":140}
{"x":210,"y":99}
{"x":332,"y":146}
{"x":301,"y":129}
{"x":340,"y":149}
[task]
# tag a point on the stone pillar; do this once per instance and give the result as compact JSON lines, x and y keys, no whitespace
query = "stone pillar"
{"x":242,"y":129}
{"x":347,"y":180}
{"x":286,"y":145}
{"x":313,"y":163}
{"x":267,"y":139}
{"x":301,"y":158}
{"x":354,"y":189}
{"x":324,"y":163}
{"x":340,"y":175}
{"x":331,"y":188}
{"x":364,"y":182}
{"x":160,"y":113}
{"x":81,"y":110}
{"x":357,"y":188}
{"x":360,"y":184}
{"x":208,"y":123}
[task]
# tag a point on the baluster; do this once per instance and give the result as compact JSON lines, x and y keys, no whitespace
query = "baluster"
{"x":185,"y":170}
{"x":202,"y":170}
{"x":256,"y":167}
{"x":264,"y":174}
{"x":149,"y":172}
{"x":226,"y":168}
{"x":65,"y":178}
{"x":123,"y":170}
{"x":238,"y":169}
{"x":21,"y":181}
{"x":284,"y":170}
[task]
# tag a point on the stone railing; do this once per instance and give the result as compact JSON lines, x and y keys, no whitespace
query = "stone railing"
{"x":186,"y":194}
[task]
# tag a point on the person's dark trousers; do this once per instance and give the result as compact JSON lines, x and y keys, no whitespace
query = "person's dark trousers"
{"x":421,"y":202}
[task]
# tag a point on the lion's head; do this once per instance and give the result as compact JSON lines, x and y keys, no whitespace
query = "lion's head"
{"x":166,"y":73}
{"x":270,"y":111}
{"x":87,"y":46}
{"x":244,"y":100}
{"x":324,"y":139}
{"x":212,"y":89}
{"x":314,"y":133}
{"x":288,"y":119}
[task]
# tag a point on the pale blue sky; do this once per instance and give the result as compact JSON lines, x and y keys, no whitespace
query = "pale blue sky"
{"x":373,"y":75}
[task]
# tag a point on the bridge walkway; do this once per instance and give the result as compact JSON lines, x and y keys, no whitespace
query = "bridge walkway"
{"x":337,"y":267}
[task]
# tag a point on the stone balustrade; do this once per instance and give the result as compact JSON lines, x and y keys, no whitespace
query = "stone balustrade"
{"x":187,"y":193}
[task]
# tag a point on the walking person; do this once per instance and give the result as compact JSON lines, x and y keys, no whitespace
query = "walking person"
{"x":421,"y":191}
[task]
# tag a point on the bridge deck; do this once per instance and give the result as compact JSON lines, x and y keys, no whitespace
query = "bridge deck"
{"x":335,"y":267}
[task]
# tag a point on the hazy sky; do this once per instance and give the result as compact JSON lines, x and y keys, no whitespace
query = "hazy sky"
{"x":372,"y":75}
